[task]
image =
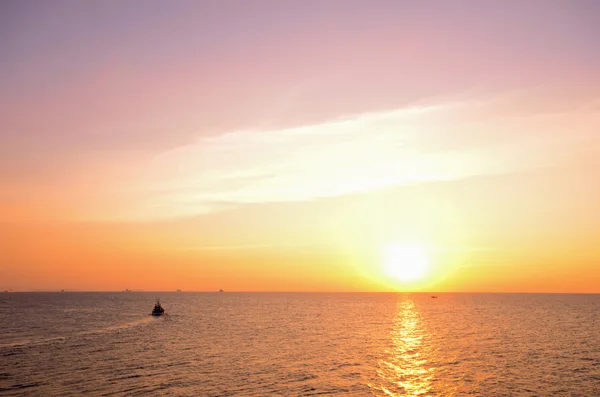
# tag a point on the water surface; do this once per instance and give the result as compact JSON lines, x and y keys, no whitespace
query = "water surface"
{"x":290,"y":344}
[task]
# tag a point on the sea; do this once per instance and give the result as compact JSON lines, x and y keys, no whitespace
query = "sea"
{"x":299,"y":344}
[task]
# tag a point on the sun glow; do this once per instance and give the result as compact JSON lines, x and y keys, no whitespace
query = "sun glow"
{"x":406,"y":262}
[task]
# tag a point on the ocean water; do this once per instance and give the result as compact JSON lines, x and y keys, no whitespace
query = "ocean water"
{"x":299,"y":344}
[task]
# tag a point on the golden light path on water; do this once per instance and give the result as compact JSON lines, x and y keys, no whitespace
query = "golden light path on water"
{"x":404,"y":369}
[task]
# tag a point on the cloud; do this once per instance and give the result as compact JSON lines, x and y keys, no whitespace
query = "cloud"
{"x":358,"y":153}
{"x":245,"y":247}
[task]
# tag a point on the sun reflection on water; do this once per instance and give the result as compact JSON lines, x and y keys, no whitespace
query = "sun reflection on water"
{"x":404,"y":369}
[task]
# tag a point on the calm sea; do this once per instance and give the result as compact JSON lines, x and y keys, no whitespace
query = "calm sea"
{"x":299,"y":344}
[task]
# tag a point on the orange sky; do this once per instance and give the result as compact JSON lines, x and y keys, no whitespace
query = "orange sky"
{"x":279,"y":147}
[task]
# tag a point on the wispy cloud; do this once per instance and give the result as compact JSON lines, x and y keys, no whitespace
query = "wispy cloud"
{"x":363,"y":152}
{"x":245,"y":247}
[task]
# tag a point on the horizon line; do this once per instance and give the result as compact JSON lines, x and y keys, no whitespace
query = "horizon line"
{"x":304,"y":292}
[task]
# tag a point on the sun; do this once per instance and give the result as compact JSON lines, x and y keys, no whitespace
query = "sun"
{"x":406,"y":262}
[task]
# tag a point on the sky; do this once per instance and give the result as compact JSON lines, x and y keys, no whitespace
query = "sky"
{"x":287,"y":145}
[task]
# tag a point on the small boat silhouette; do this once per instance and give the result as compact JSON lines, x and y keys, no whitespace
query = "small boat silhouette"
{"x":220,"y":290}
{"x":433,"y":296}
{"x":158,"y":309}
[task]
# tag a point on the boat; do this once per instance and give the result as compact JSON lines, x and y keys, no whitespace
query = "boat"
{"x":158,"y":309}
{"x":434,"y":297}
{"x":178,"y":290}
{"x":220,"y":290}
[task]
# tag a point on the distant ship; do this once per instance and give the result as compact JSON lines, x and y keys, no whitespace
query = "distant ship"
{"x":220,"y":290}
{"x":178,"y":290}
{"x":127,"y":290}
{"x":158,"y":309}
{"x":433,"y":296}
{"x":62,"y":290}
{"x":8,"y":290}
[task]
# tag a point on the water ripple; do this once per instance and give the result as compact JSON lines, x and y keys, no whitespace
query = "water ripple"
{"x":300,"y":344}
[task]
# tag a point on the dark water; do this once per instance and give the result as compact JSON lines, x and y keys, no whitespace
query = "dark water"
{"x":211,"y":344}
